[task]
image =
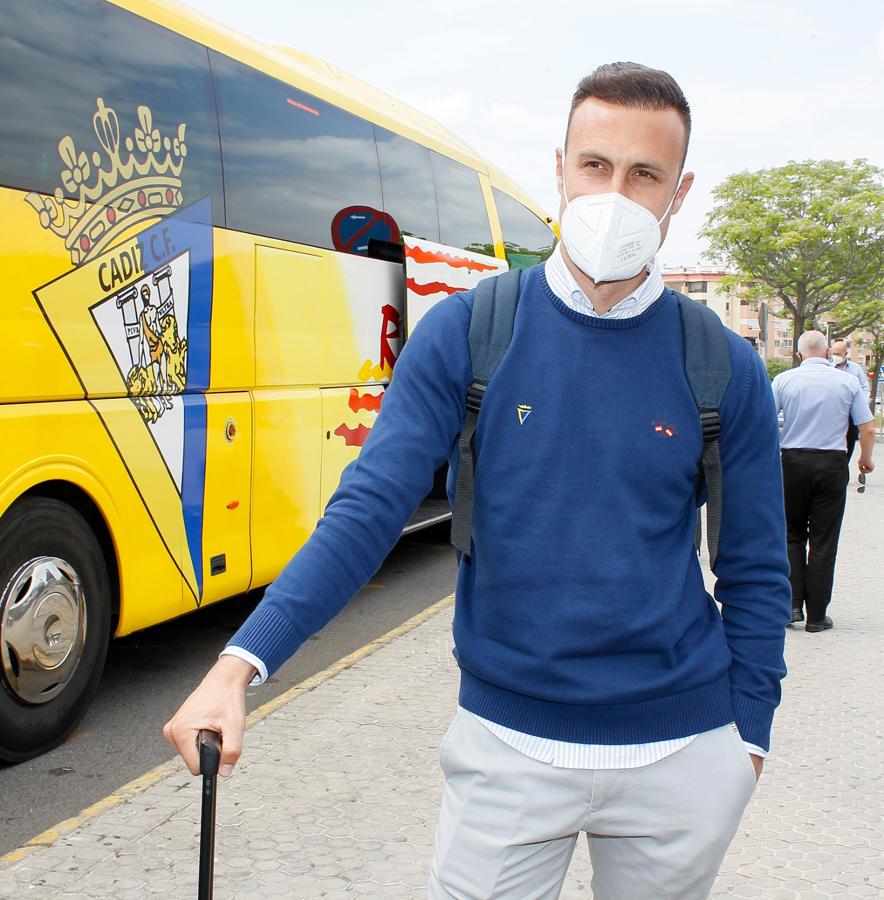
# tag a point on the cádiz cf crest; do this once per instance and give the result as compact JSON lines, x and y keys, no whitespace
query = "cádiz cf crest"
{"x":134,"y":316}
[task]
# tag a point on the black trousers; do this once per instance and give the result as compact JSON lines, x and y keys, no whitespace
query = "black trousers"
{"x":815,"y":488}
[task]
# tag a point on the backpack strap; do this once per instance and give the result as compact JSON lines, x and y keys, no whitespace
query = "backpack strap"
{"x":708,"y":367}
{"x":491,"y":330}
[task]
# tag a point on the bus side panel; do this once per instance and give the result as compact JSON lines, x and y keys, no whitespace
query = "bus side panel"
{"x":226,"y":506}
{"x":348,"y":414}
{"x":68,"y":442}
{"x":321,"y":319}
{"x":233,"y":312}
{"x":32,"y":364}
{"x":303,"y":329}
{"x":375,"y":294}
{"x":224,"y":553}
{"x":297,"y":293}
{"x":287,"y":461}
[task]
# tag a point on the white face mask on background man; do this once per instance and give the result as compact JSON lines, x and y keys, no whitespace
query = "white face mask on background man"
{"x":609,"y":236}
{"x":837,"y":360}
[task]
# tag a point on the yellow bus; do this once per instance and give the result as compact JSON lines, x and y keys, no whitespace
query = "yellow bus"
{"x":211,"y":253}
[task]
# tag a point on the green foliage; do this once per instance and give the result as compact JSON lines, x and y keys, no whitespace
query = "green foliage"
{"x":808,"y":235}
{"x":775,"y":365}
{"x":858,"y":314}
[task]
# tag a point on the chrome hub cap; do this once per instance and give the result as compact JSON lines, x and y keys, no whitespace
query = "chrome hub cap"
{"x":42,"y":628}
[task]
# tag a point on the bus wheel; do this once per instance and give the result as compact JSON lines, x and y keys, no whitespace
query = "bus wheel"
{"x":54,"y":624}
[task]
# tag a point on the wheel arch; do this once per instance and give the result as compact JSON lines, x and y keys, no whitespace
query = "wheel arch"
{"x":78,"y":498}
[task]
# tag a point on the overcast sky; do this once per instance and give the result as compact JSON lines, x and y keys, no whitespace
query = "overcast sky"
{"x":768,"y":82}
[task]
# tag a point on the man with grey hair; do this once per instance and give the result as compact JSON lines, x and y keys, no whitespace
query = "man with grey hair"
{"x":817,"y":401}
{"x":840,"y":360}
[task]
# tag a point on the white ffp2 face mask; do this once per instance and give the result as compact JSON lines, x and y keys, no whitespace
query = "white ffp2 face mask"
{"x":609,"y":236}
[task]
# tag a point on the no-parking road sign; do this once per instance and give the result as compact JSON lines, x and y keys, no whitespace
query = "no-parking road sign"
{"x":354,"y":226}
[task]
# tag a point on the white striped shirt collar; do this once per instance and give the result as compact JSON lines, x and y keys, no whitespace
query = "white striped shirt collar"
{"x":563,"y":284}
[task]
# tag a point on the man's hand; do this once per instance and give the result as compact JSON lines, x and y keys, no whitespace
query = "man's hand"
{"x":758,"y":762}
{"x":218,"y":704}
{"x":866,"y":447}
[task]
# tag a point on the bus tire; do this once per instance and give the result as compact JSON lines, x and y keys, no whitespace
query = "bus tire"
{"x":55,"y":613}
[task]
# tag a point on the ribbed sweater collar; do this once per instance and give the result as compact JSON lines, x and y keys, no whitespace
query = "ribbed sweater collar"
{"x":595,"y":322}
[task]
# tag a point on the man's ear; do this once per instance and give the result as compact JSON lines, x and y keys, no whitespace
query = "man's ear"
{"x":560,"y":186}
{"x":687,"y":179}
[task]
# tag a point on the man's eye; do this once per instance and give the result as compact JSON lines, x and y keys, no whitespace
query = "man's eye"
{"x":644,"y":173}
{"x":592,"y":164}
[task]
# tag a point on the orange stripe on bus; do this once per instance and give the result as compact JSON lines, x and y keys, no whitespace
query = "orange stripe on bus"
{"x":456,"y":262}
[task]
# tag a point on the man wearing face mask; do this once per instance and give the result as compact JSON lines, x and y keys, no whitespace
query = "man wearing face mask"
{"x":840,"y":361}
{"x":817,"y":400}
{"x":601,"y":689}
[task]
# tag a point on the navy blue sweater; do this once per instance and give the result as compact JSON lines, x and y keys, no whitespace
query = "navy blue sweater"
{"x":582,"y":615}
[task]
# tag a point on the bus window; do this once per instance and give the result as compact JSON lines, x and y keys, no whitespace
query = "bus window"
{"x":407,"y":181}
{"x":291,"y":161}
{"x":58,"y":57}
{"x":526,"y":240}
{"x":463,"y":220}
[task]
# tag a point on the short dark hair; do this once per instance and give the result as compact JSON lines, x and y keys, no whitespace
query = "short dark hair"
{"x":632,"y":84}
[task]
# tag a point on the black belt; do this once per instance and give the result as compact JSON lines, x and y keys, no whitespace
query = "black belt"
{"x":795,"y":450}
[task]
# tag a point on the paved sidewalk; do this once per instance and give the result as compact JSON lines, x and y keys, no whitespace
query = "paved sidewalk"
{"x":337,"y":794}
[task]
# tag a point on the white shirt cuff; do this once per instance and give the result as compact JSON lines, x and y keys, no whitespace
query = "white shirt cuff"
{"x":250,"y":658}
{"x":755,"y":749}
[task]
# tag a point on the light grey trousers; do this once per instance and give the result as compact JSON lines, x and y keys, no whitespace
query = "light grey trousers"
{"x":508,"y":824}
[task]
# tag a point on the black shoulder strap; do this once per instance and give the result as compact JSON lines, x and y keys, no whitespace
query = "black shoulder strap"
{"x":491,"y":331}
{"x":708,"y":367}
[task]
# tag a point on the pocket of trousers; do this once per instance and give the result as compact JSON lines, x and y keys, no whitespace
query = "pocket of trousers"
{"x":446,"y":738}
{"x":746,"y":760}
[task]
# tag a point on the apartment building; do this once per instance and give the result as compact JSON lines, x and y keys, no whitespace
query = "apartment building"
{"x":703,"y":283}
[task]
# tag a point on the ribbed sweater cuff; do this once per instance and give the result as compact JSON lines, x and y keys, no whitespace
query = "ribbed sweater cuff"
{"x":753,"y":717}
{"x":269,"y":636}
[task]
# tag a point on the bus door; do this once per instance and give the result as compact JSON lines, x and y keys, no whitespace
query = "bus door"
{"x":225,"y":510}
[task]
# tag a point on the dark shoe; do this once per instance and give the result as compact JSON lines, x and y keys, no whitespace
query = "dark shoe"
{"x":824,"y":625}
{"x":797,"y":615}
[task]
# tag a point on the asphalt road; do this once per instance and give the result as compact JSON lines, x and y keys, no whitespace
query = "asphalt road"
{"x":148,"y":674}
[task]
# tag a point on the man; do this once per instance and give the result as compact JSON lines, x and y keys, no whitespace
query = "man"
{"x":817,"y":400}
{"x":601,"y":688}
{"x":840,"y":361}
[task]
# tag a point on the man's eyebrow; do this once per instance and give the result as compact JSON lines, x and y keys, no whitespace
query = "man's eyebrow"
{"x":591,"y":154}
{"x":649,"y":165}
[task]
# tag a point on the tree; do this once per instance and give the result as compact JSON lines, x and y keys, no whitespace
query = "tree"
{"x":878,"y":360}
{"x":863,"y":314}
{"x":857,"y":313}
{"x":809,"y":235}
{"x":775,"y":365}
{"x":877,"y":347}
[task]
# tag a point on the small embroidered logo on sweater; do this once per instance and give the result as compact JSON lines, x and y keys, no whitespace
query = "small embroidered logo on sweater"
{"x":523,"y":410}
{"x":664,"y":429}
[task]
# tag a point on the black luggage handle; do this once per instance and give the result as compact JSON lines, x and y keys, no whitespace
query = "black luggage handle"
{"x":209,"y":745}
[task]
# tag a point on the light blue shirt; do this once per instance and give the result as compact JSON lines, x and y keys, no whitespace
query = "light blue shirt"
{"x":565,"y":287}
{"x":816,"y":400}
{"x":860,"y":373}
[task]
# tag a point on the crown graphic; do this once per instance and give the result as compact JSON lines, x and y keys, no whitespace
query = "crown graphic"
{"x":103,"y":195}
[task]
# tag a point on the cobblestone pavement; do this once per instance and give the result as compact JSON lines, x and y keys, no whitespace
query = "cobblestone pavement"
{"x":337,"y":794}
